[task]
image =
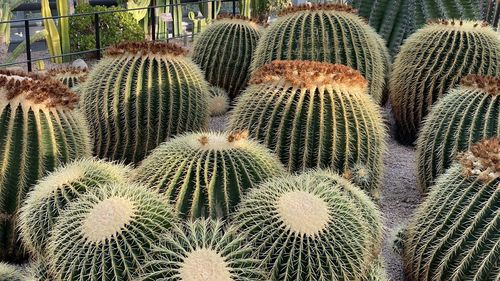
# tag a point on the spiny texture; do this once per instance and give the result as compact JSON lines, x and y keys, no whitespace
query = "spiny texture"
{"x":447,"y":9}
{"x":224,"y":52}
{"x":205,"y":174}
{"x":69,"y":76}
{"x":38,"y":270}
{"x":202,"y":250}
{"x":311,"y":227}
{"x":377,"y":272}
{"x":314,"y":114}
{"x":329,"y":33}
{"x":464,"y":116}
{"x":39,"y":130}
{"x":11,"y":273}
{"x":455,"y":233}
{"x":140,"y":95}
{"x":218,"y":101}
{"x":432,"y":61}
{"x":52,"y":194}
{"x":107,"y":233}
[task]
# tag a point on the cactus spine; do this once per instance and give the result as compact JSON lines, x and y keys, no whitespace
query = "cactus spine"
{"x":11,"y":273}
{"x":140,"y":95}
{"x":377,"y":272}
{"x":454,"y":234}
{"x":204,"y":174}
{"x":434,"y":59}
{"x":218,"y":101}
{"x":463,"y":117}
{"x":69,"y":76}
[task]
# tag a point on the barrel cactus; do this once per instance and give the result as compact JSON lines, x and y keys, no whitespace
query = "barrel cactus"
{"x":464,"y":116}
{"x":314,"y":114}
{"x":69,"y":76}
{"x":329,"y":33}
{"x":310,"y":227}
{"x":140,"y":95}
{"x":205,"y":174}
{"x":454,"y":234}
{"x":224,"y":52}
{"x":432,"y":61}
{"x":107,"y":233}
{"x":218,"y":101}
{"x":11,"y":273}
{"x":52,"y":194}
{"x":38,"y":270}
{"x":377,"y":272}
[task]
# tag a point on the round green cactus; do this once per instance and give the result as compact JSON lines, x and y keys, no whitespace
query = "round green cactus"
{"x":40,"y":130}
{"x":52,"y":194}
{"x":203,"y":250}
{"x":432,"y":61}
{"x":107,"y":233}
{"x":218,"y":101}
{"x":140,"y":95}
{"x":454,"y":234}
{"x":464,"y":116}
{"x":311,"y":227}
{"x":329,"y":33}
{"x":69,"y":76}
{"x":11,"y":273}
{"x":205,"y":174}
{"x":377,"y":272}
{"x":314,"y":114}
{"x":224,"y":52}
{"x":38,"y":270}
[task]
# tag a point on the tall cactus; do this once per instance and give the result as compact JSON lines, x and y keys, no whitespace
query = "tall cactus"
{"x":40,"y":130}
{"x":447,"y":9}
{"x":140,"y":95}
{"x":466,"y":115}
{"x":314,"y":114}
{"x":454,"y":234}
{"x":69,"y":76}
{"x":329,"y":33}
{"x":432,"y":61}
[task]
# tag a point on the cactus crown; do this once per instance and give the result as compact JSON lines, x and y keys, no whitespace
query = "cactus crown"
{"x":146,"y":48}
{"x":318,"y":7}
{"x":204,"y":265}
{"x":215,"y":141}
{"x":487,"y":84}
{"x":482,"y":160}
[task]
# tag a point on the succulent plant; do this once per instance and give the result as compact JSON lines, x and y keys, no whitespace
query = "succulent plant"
{"x":447,"y":9}
{"x":51,"y":195}
{"x":40,"y":130}
{"x":218,"y":101}
{"x":454,"y":234}
{"x":202,"y":250}
{"x":314,"y":114}
{"x":107,"y":233}
{"x":224,"y":52}
{"x":69,"y":76}
{"x":377,"y":272}
{"x":205,"y":174}
{"x":329,"y":33}
{"x":11,"y":273}
{"x":140,"y":95}
{"x":310,"y":227}
{"x":467,"y":114}
{"x":38,"y":270}
{"x":432,"y":61}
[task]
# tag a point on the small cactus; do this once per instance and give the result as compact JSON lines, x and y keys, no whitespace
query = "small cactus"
{"x":11,"y":273}
{"x":218,"y":101}
{"x":205,"y":174}
{"x":69,"y":76}
{"x":377,"y":272}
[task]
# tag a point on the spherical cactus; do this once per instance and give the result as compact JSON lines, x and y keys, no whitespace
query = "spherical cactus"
{"x":52,"y":194}
{"x":377,"y":272}
{"x":39,"y":130}
{"x":311,"y":227}
{"x":69,"y":76}
{"x":431,"y":62}
{"x":218,"y":101}
{"x":205,"y":174}
{"x":466,"y":115}
{"x":314,"y":114}
{"x":11,"y":273}
{"x":107,"y":233}
{"x":202,"y":250}
{"x":329,"y":33}
{"x":224,"y":52}
{"x":454,"y":234}
{"x":38,"y":270}
{"x":140,"y":95}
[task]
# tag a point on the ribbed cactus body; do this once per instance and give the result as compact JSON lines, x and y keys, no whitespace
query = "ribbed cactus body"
{"x":11,"y":273}
{"x":329,"y":33}
{"x":107,"y":233}
{"x":447,"y":9}
{"x":140,"y":95}
{"x":321,"y":117}
{"x":431,"y":62}
{"x":205,"y":174}
{"x":310,"y":227}
{"x":224,"y":52}
{"x":454,"y":234}
{"x":463,"y":117}
{"x":69,"y":76}
{"x":218,"y":101}
{"x":39,"y":130}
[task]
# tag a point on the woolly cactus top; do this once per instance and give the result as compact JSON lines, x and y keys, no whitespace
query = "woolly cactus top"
{"x":146,"y":48}
{"x":487,"y":84}
{"x":458,"y":25}
{"x":482,"y":160}
{"x":204,"y":265}
{"x":318,"y":7}
{"x":218,"y":141}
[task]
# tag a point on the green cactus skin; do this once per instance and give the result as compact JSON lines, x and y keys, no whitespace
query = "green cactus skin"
{"x":202,"y":250}
{"x":69,"y":76}
{"x":431,"y":62}
{"x":107,"y":233}
{"x":11,"y":273}
{"x":455,"y":233}
{"x":224,"y":52}
{"x":140,"y":95}
{"x":464,"y":116}
{"x":320,"y":118}
{"x":447,"y":9}
{"x":52,"y":194}
{"x":310,"y":227}
{"x":329,"y":33}
{"x":39,"y":130}
{"x":218,"y":101}
{"x":205,"y":174}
